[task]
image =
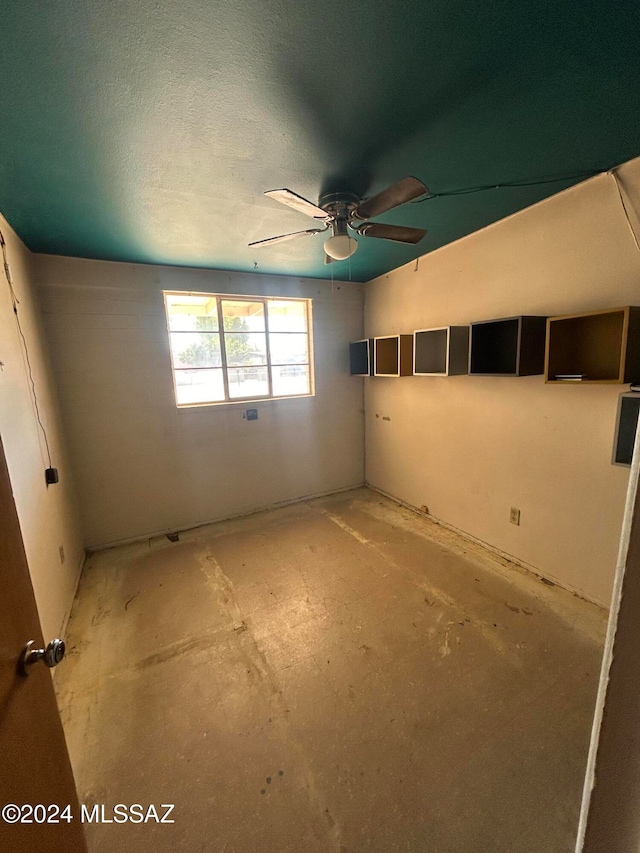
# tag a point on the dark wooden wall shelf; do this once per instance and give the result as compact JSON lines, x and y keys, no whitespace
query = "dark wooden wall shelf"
{"x":596,"y":346}
{"x":513,"y":346}
{"x":361,"y":358}
{"x":441,"y":351}
{"x":393,"y":355}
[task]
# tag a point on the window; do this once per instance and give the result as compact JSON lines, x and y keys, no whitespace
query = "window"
{"x":228,"y":348}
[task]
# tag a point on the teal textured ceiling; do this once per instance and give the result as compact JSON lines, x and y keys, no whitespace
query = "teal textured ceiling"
{"x":148,"y":130}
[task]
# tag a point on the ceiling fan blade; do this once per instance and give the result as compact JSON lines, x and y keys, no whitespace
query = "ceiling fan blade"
{"x":327,"y":259}
{"x":399,"y":233}
{"x":298,"y":203}
{"x":395,"y":195}
{"x":282,"y":237}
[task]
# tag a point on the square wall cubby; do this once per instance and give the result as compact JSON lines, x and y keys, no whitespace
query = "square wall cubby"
{"x":597,"y":346}
{"x":361,"y":358}
{"x":442,"y":351}
{"x":393,"y":355}
{"x":513,"y":346}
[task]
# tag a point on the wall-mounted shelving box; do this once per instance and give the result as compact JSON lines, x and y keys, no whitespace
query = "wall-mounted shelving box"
{"x":361,"y":358}
{"x":626,"y":425}
{"x":513,"y":346}
{"x":597,"y":346}
{"x":441,"y":352}
{"x":393,"y":355}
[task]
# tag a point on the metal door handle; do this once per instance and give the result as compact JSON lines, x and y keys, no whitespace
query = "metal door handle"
{"x":51,"y":656}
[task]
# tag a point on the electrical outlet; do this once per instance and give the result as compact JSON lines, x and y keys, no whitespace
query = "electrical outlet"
{"x":61,"y":552}
{"x":514,"y":516}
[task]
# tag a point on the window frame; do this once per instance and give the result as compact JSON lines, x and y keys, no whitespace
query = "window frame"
{"x":224,"y":367}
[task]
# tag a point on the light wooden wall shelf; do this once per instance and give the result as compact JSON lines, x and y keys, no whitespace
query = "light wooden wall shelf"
{"x":513,"y":346}
{"x":626,"y":425}
{"x":393,"y":355}
{"x":442,"y":351}
{"x":596,"y":346}
{"x":361,"y":357}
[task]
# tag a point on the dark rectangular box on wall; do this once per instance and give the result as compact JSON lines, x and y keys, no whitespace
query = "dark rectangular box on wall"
{"x":441,"y":352}
{"x":513,"y":346}
{"x":361,"y":358}
{"x":626,"y":425}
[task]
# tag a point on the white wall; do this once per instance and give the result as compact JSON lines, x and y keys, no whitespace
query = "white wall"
{"x":472,"y":447}
{"x":48,"y":516}
{"x":144,"y":466}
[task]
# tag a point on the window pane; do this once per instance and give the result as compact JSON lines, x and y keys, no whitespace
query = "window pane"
{"x":290,"y":380}
{"x":245,"y":348}
{"x":255,"y":365}
{"x":248,"y":382}
{"x":199,"y":386}
{"x":288,"y":349}
{"x":287,"y":316}
{"x":189,"y":349}
{"x":189,"y":312}
{"x":241,"y":316}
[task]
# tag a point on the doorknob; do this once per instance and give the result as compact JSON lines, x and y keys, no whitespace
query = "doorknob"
{"x":51,"y":656}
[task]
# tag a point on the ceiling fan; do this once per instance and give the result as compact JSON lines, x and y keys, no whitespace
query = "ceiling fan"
{"x":345,"y":212}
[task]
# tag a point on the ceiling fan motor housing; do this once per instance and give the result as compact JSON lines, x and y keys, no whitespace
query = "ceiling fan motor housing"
{"x":340,"y":206}
{"x":340,"y":227}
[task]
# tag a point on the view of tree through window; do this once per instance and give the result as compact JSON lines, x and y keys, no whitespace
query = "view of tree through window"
{"x":236,"y":348}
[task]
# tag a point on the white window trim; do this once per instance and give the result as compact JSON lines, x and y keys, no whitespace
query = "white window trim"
{"x":233,"y":297}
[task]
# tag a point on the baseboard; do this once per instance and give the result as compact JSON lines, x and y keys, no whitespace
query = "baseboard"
{"x":145,"y":536}
{"x":76,"y":584}
{"x":491,"y":548}
{"x":65,"y":619}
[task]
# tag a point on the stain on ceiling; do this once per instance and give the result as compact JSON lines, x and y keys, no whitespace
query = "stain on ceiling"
{"x":148,"y":131}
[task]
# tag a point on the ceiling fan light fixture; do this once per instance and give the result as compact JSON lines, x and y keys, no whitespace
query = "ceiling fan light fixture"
{"x":340,"y":246}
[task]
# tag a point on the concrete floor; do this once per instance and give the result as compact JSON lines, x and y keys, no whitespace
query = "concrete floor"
{"x":337,"y":675}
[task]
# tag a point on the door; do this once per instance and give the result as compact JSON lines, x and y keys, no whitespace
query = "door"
{"x":34,"y":762}
{"x":610,"y":817}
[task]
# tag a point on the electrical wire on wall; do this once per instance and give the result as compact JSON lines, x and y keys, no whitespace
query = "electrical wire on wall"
{"x":624,"y":208}
{"x":15,"y":302}
{"x":507,"y":184}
